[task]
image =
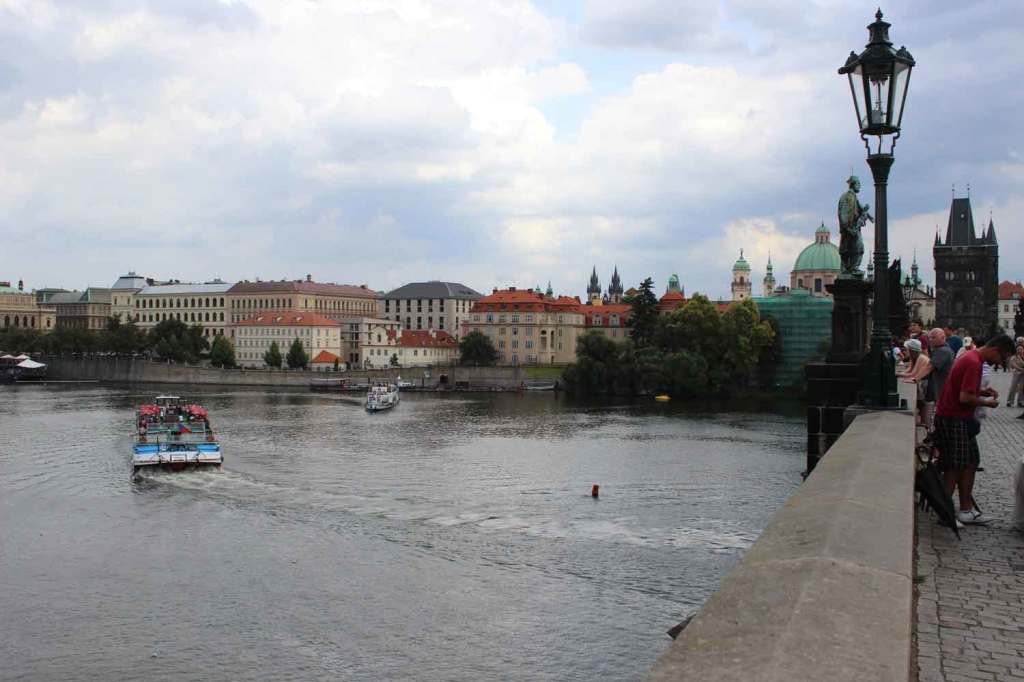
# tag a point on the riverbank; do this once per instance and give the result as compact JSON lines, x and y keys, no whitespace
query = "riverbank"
{"x":126,"y":370}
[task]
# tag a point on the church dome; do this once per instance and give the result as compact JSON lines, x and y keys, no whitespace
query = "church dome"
{"x":821,"y":255}
{"x":742,"y":263}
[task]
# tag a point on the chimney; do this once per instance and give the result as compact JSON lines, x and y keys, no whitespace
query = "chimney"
{"x":309,"y":278}
{"x":511,"y":288}
{"x":495,"y":290}
{"x":21,"y":285}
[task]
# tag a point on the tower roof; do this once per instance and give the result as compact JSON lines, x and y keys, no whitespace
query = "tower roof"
{"x":990,"y":235}
{"x":616,"y":285}
{"x":960,"y":230}
{"x":595,"y":286}
{"x":821,"y":255}
{"x":741,"y":263}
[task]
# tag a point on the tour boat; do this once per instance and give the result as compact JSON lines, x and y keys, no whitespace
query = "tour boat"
{"x":381,"y":396}
{"x":172,"y":434}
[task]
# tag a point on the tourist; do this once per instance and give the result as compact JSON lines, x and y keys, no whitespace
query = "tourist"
{"x":968,"y":345}
{"x":1016,"y":367}
{"x":942,"y":360}
{"x":956,"y":427}
{"x":916,"y":328}
{"x":952,"y":340}
{"x":918,"y":369}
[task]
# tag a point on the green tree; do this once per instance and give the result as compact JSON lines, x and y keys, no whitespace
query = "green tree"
{"x":597,"y":368}
{"x":175,"y":340}
{"x":394,"y":360}
{"x":476,"y":350}
{"x":643,"y":319}
{"x":272,"y":358}
{"x":297,"y":357}
{"x":222,"y":354}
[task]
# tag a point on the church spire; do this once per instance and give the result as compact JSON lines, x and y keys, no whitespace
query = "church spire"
{"x":615,"y":289}
{"x":990,"y":236}
{"x":550,"y":293}
{"x":594,"y":289}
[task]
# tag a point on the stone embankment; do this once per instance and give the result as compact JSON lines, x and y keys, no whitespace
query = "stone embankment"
{"x":826,"y":592}
{"x":138,"y":370}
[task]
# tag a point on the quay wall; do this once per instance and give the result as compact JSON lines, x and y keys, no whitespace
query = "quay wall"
{"x":139,"y":370}
{"x":826,"y":592}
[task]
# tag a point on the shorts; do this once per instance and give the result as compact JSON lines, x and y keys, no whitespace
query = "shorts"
{"x":958,"y":447}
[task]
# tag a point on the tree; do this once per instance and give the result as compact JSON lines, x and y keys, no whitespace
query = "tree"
{"x":222,"y":354}
{"x":476,"y":350}
{"x":272,"y":358}
{"x":297,"y":357}
{"x":175,"y":340}
{"x":643,"y":319}
{"x":1018,"y":320}
{"x":597,"y":368}
{"x":394,"y":360}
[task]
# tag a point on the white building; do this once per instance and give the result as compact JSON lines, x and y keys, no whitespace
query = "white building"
{"x":193,"y":304}
{"x":443,"y":306}
{"x":254,"y":335}
{"x":1010,"y":294}
{"x":409,"y":348}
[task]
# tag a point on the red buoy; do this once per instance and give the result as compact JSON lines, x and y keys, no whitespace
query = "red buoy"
{"x":595,"y":491}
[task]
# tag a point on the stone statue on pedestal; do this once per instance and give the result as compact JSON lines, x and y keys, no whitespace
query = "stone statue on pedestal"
{"x":852,"y":217}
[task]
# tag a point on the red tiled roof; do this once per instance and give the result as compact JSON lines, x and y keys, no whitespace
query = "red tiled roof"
{"x":424,"y":339}
{"x":303,"y":287}
{"x":623,"y":310}
{"x":1007,"y":289}
{"x":274,"y":319}
{"x":326,"y":357}
{"x":525,"y":300}
{"x":672,"y":296}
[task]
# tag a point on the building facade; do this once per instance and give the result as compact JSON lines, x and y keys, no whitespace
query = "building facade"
{"x":1010,"y":295}
{"x":19,"y":308}
{"x":527,"y":327}
{"x":194,"y":304}
{"x":89,"y":309}
{"x":254,"y":336}
{"x":609,"y":319}
{"x":356,"y":333}
{"x":122,"y":293}
{"x":674,"y":296}
{"x":409,"y":348}
{"x":966,"y":274}
{"x":417,"y":306}
{"x":818,"y":265}
{"x":333,"y":301}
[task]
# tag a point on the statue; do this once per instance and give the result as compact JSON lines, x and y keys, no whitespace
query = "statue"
{"x":852,"y":217}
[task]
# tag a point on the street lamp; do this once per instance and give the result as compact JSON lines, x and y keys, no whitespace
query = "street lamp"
{"x":879,"y":78}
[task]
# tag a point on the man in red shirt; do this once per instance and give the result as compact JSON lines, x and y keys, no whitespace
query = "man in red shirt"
{"x":955,"y":426}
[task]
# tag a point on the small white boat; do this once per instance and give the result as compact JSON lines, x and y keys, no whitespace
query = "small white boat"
{"x":401,"y":383}
{"x":382,"y":396}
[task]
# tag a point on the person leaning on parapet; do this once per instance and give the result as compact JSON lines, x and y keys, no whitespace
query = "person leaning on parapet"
{"x":956,"y":428}
{"x":1016,"y":367}
{"x":916,"y":329}
{"x":942,"y":361}
{"x":917,"y":371}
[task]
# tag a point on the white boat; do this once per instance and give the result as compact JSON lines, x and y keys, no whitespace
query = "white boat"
{"x":382,"y":396}
{"x":401,"y":383}
{"x":172,"y":434}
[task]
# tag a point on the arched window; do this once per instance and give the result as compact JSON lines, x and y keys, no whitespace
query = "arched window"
{"x":15,"y":320}
{"x":817,"y":285}
{"x":7,"y":320}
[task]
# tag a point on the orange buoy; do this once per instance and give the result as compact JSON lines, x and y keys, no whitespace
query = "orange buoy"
{"x":595,"y":491}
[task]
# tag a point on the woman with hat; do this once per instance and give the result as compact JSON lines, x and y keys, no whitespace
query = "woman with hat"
{"x":917,"y":372}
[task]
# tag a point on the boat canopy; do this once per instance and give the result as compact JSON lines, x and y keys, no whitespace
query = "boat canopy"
{"x":196,"y":410}
{"x":31,"y":364}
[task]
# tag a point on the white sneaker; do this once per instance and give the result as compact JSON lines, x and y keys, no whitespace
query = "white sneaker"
{"x":974,"y":517}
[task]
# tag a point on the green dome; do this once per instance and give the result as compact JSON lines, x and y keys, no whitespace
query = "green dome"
{"x":818,"y":256}
{"x":821,"y":255}
{"x":741,"y":264}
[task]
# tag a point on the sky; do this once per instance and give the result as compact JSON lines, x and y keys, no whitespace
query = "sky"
{"x":490,"y":142}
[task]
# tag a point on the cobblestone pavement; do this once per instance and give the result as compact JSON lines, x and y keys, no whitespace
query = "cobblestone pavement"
{"x":970,"y":610}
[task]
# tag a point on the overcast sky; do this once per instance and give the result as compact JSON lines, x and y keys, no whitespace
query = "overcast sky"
{"x":491,"y":142}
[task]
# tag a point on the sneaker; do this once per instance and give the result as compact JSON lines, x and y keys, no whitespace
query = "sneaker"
{"x":974,"y":517}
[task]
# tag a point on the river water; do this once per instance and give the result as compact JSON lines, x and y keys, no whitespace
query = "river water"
{"x":453,"y":538}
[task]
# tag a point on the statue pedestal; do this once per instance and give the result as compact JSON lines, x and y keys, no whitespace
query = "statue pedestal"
{"x":834,"y":385}
{"x":849,"y":319}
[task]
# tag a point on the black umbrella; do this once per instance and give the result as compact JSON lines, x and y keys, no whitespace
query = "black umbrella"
{"x":934,"y":495}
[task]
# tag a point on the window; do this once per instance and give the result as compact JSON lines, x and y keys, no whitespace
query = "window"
{"x":490,"y":317}
{"x":501,"y":331}
{"x":501,"y":344}
{"x":515,"y":317}
{"x":817,"y":285}
{"x":515,"y":343}
{"x":501,"y":318}
{"x":529,"y":343}
{"x":529,"y":318}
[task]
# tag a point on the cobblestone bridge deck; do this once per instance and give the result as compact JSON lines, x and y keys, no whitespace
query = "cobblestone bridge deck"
{"x":970,"y":610}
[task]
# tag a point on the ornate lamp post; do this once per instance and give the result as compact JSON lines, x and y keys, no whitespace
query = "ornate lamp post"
{"x":879,"y":77}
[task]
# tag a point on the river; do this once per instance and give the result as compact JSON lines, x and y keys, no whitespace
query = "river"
{"x":453,"y":538}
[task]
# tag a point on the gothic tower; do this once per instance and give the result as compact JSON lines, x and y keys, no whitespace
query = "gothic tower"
{"x":594,"y":289}
{"x":966,"y":274}
{"x":741,"y":286}
{"x":615,"y":289}
{"x":769,"y":279}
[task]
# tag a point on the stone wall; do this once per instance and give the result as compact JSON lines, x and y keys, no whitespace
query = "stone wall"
{"x":137,"y":370}
{"x":826,"y":592}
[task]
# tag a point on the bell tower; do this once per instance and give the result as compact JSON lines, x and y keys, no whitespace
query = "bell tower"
{"x":741,"y":285}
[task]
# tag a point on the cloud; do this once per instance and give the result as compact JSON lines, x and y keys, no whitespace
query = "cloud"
{"x":487,"y":141}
